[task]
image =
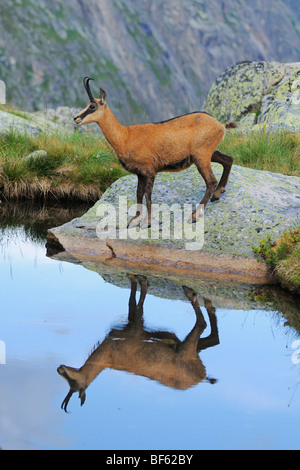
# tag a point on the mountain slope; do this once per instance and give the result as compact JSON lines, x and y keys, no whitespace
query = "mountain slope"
{"x":155,"y":59}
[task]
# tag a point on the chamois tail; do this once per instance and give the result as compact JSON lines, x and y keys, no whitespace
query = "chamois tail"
{"x":231,"y":125}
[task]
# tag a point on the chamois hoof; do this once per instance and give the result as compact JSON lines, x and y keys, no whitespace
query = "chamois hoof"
{"x":134,"y":223}
{"x":216,"y":196}
{"x":145,"y":224}
{"x":199,"y":212}
{"x":143,"y":282}
{"x":132,"y":277}
{"x":194,"y":217}
{"x":190,"y":293}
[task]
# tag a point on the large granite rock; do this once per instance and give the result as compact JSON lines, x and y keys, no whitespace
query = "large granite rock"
{"x":20,"y":125}
{"x":256,"y":204}
{"x":258,"y":95}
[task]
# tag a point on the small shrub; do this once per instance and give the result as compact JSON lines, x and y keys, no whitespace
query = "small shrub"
{"x":283,"y":257}
{"x":273,"y":252}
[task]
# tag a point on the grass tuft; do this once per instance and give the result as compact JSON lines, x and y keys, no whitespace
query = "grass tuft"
{"x":76,"y":165}
{"x":278,"y":152}
{"x":82,"y":166}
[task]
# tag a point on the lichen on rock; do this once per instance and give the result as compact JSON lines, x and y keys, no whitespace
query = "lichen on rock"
{"x":257,"y":95}
{"x":256,"y":204}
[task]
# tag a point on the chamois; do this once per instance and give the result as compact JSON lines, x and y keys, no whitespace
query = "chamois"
{"x":158,"y":355}
{"x":172,"y":145}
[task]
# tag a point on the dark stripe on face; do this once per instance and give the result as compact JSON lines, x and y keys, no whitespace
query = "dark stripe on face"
{"x":86,"y":112}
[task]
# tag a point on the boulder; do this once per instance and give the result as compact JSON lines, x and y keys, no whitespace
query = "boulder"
{"x":38,"y":154}
{"x":255,"y":205}
{"x":257,"y":95}
{"x":48,"y":120}
{"x":11,"y":122}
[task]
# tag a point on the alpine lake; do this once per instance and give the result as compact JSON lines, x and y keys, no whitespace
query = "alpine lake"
{"x":169,"y":365}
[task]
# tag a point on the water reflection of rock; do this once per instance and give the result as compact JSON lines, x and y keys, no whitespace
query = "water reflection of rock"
{"x":158,"y":355}
{"x":37,"y":217}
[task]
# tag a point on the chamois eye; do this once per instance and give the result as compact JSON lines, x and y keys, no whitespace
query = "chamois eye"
{"x":92,"y":106}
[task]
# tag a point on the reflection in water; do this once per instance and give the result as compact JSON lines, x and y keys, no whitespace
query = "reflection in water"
{"x":43,"y":316}
{"x":158,"y":355}
{"x":37,"y":217}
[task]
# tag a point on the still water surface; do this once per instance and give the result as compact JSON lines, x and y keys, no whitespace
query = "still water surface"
{"x":55,"y":312}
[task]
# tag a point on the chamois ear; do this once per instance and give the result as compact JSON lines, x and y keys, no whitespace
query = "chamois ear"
{"x":102,"y":96}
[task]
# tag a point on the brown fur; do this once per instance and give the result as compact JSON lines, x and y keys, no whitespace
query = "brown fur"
{"x":158,"y":355}
{"x":174,"y":145}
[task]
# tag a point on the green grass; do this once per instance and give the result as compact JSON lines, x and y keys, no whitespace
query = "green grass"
{"x":289,"y":269}
{"x":83,"y":166}
{"x":76,"y":165}
{"x":277,"y":152}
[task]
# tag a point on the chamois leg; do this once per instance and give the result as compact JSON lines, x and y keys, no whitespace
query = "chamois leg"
{"x":132,"y":298}
{"x":135,"y":313}
{"x":190,"y":343}
{"x":148,"y":193}
{"x":213,"y":338}
{"x":144,"y":289}
{"x":226,"y":161}
{"x":139,"y":199}
{"x":205,"y":170}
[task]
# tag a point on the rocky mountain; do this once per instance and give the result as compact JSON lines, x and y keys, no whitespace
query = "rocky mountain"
{"x":154,"y":59}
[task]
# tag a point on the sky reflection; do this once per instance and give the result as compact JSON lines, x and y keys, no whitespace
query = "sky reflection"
{"x":54,"y":313}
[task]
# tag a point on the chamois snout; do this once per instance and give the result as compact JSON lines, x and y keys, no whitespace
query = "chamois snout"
{"x":77,"y":119}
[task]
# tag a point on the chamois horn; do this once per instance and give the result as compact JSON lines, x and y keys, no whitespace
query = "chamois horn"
{"x":87,"y":87}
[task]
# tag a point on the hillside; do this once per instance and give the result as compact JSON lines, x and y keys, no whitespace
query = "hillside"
{"x":155,"y":59}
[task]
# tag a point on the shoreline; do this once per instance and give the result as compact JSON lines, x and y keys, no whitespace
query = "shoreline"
{"x":162,"y":259}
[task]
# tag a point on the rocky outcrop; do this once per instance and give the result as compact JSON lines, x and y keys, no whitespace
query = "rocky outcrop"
{"x":60,"y":119}
{"x":154,"y":59}
{"x":258,"y":95}
{"x":255,"y":205}
{"x":11,"y":122}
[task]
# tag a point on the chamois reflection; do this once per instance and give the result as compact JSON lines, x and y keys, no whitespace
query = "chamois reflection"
{"x":158,"y":355}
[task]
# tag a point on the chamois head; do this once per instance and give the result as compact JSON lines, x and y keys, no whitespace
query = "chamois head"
{"x":95,"y":108}
{"x":76,"y":383}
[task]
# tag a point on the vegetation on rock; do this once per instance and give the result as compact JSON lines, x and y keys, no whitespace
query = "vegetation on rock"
{"x":283,"y":257}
